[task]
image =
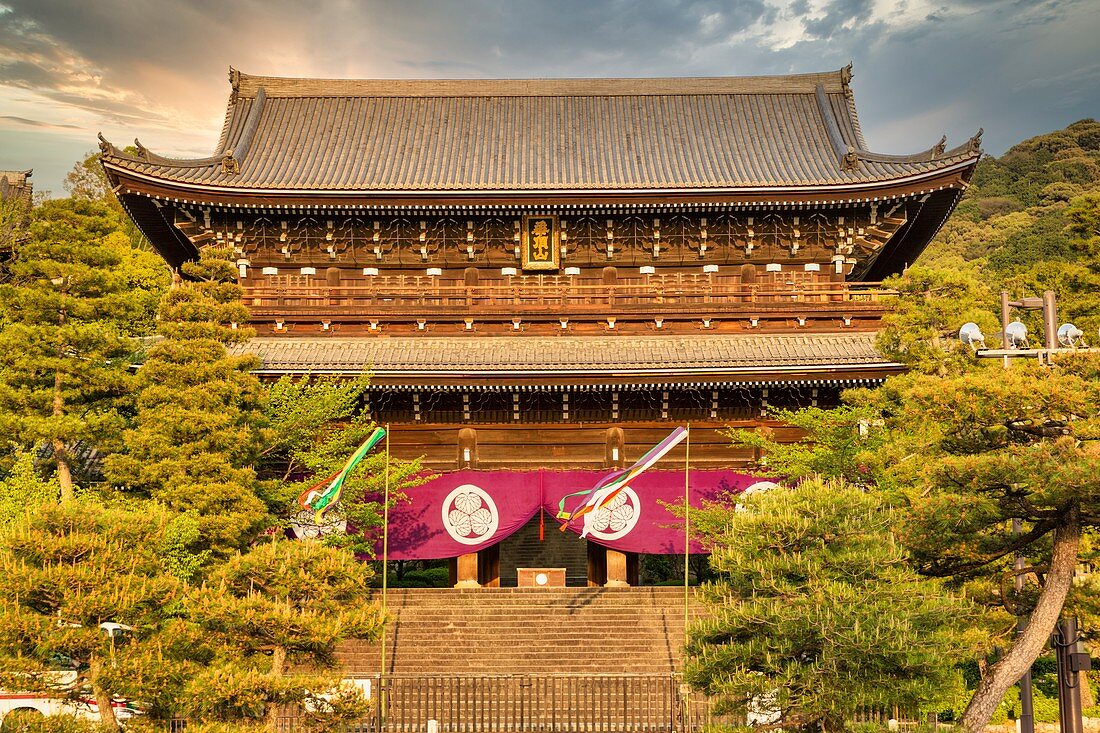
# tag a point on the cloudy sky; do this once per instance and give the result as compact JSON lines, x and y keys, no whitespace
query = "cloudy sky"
{"x":156,"y":69}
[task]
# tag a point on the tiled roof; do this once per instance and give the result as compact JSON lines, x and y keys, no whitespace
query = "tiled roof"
{"x":540,"y":135}
{"x":16,"y":184}
{"x":561,"y":355}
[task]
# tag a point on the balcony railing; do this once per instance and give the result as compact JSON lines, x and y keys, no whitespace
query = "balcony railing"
{"x":425,"y":294}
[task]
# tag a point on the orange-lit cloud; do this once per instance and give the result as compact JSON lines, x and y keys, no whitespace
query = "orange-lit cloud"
{"x":156,"y":69}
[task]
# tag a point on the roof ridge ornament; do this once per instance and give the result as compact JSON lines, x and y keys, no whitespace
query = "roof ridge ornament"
{"x":846,"y":74}
{"x":974,"y":144}
{"x":105,"y":146}
{"x":939,"y":148}
{"x":850,"y":161}
{"x":230,"y":164}
{"x":235,"y":84}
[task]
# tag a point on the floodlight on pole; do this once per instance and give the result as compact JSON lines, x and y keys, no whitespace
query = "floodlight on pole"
{"x":1069,"y":335}
{"x":1016,"y":335}
{"x":971,"y":335}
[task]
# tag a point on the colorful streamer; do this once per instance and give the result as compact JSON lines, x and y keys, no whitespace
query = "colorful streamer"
{"x":326,"y":492}
{"x":611,"y":485}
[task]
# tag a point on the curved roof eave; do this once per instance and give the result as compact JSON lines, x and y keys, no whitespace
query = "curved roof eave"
{"x":862,"y":186}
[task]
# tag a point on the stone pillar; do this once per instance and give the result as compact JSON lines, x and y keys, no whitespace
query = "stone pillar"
{"x":616,"y":570}
{"x":467,"y":571}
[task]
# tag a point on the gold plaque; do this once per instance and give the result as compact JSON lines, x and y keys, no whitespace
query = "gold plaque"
{"x":540,"y":243}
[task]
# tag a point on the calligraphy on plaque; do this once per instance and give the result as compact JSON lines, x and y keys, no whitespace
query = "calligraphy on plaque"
{"x":540,"y":243}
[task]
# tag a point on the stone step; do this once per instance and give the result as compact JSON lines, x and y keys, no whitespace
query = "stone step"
{"x":527,"y":630}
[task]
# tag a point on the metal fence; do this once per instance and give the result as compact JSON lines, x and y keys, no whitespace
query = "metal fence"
{"x":523,"y":704}
{"x":535,"y":703}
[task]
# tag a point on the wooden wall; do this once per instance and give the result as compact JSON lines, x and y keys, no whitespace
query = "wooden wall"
{"x":567,"y":446}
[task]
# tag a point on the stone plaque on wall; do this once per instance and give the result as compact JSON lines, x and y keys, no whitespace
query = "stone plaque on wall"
{"x":540,"y":243}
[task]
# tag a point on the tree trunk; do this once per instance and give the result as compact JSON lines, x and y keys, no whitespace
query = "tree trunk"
{"x":1030,"y":643}
{"x":278,"y":665}
{"x":103,"y":699}
{"x":61,"y":457}
{"x":64,"y":473}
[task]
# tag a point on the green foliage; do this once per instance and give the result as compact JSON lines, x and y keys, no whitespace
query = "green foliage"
{"x":76,"y":291}
{"x":199,"y":423}
{"x":965,"y":447}
{"x":817,"y":612}
{"x":87,"y":181}
{"x":14,"y":216}
{"x":1021,"y":176}
{"x":841,"y":445}
{"x":435,"y":577}
{"x":278,"y":613}
{"x":933,"y":305}
{"x":35,"y":722}
{"x":179,"y":547}
{"x":964,"y":455}
{"x":301,"y":597}
{"x":22,"y":487}
{"x":1083,"y":215}
{"x":993,"y":445}
{"x":1031,"y":222}
{"x":64,"y":570}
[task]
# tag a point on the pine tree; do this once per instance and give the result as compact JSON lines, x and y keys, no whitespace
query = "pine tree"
{"x":816,"y":613}
{"x":279,"y":612}
{"x":199,"y":423}
{"x":968,"y":455}
{"x":88,"y":609}
{"x":68,"y":306}
{"x":967,"y":448}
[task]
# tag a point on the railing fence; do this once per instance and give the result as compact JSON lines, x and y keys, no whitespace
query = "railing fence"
{"x":536,"y":704}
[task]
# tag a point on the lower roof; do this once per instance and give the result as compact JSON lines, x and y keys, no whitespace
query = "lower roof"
{"x":597,"y":360}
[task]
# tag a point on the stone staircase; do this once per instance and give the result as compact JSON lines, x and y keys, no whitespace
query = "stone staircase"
{"x":527,"y":631}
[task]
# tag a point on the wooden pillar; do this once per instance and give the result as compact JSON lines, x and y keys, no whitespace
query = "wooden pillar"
{"x":467,"y":571}
{"x":467,"y":448}
{"x":614,"y":445}
{"x":617,"y":576}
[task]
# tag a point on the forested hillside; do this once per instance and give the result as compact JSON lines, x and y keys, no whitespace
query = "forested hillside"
{"x":1031,"y":222}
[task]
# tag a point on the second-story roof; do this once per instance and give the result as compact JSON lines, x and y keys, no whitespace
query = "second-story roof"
{"x":584,"y":360}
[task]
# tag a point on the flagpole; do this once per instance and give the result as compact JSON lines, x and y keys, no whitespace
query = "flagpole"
{"x":385,"y":576}
{"x":687,"y":525}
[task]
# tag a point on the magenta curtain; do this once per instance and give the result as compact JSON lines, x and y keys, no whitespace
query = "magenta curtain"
{"x":466,"y":511}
